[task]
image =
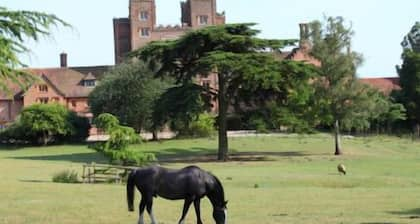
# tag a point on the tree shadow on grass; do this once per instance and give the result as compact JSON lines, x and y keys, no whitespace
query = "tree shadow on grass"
{"x":408,"y":214}
{"x":10,"y":147}
{"x":378,"y":223}
{"x":35,"y":181}
{"x":197,"y":154}
{"x":74,"y":157}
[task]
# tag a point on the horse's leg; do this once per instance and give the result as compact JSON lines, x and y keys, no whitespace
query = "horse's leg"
{"x":187,"y":204}
{"x":197,"y":210}
{"x":149,"y":205}
{"x":141,"y":210}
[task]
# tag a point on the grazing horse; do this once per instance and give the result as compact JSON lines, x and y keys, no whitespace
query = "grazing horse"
{"x":190,"y":183}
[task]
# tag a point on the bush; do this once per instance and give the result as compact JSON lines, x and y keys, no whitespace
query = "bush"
{"x":203,"y":126}
{"x":259,"y":125}
{"x":66,"y":176}
{"x":120,"y":137}
{"x":129,"y":157}
{"x":106,"y":122}
{"x":235,"y":123}
{"x":81,"y":128}
{"x":46,"y":123}
{"x":16,"y":134}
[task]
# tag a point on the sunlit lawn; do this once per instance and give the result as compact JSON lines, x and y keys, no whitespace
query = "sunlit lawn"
{"x":270,"y":180}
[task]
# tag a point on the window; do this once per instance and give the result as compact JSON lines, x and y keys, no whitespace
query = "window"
{"x":55,"y":99}
{"x":203,"y":20}
{"x":73,"y":103}
{"x":206,"y":84}
{"x":89,"y":83}
{"x":43,"y":88}
{"x":144,"y":32}
{"x":43,"y":100}
{"x":144,"y":15}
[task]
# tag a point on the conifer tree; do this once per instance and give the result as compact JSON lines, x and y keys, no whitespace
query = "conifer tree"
{"x":233,"y":52}
{"x":15,"y":28}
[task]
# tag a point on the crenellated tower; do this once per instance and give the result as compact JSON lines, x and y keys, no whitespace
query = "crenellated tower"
{"x":199,"y":13}
{"x":142,"y":21}
{"x":140,"y":27}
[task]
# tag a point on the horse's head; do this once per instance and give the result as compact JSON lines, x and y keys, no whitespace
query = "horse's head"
{"x":220,"y":214}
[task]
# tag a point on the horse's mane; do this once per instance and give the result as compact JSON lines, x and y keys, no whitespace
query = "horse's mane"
{"x":219,"y":190}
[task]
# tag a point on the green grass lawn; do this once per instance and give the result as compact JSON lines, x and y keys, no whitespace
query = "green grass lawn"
{"x":269,"y":180}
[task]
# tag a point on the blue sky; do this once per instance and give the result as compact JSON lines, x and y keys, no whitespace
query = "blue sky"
{"x":379,"y":26}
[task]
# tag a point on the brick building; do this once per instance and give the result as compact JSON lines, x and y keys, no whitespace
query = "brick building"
{"x":140,"y":27}
{"x":68,"y":86}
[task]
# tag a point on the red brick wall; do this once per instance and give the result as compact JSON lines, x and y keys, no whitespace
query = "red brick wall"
{"x":33,"y":95}
{"x":191,"y":10}
{"x":220,"y":19}
{"x":203,"y":8}
{"x":122,"y":38}
{"x":168,"y":34}
{"x":303,"y":55}
{"x":212,"y":81}
{"x":137,"y":6}
{"x":78,"y":105}
{"x":9,"y":110}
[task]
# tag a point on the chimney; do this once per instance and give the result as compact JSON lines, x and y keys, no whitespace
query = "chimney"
{"x":304,"y":36}
{"x":63,"y":60}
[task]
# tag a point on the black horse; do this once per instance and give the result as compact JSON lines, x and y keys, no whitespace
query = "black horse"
{"x":190,"y":183}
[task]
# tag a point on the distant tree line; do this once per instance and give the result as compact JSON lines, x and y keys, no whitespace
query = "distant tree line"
{"x":156,"y":87}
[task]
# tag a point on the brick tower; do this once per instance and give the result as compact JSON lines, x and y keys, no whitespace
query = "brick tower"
{"x":142,"y":21}
{"x":140,"y":27}
{"x":199,"y":13}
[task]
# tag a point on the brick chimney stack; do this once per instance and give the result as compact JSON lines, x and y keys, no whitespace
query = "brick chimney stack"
{"x":63,"y":60}
{"x":304,"y":42}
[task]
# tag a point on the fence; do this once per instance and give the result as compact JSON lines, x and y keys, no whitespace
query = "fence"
{"x":97,"y":173}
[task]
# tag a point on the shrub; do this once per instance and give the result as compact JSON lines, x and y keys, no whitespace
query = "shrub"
{"x":81,"y":128}
{"x":46,"y":123}
{"x":15,"y":133}
{"x":259,"y":125}
{"x":203,"y":126}
{"x":106,"y":122}
{"x":66,"y":176}
{"x":129,"y":157}
{"x":120,"y":137}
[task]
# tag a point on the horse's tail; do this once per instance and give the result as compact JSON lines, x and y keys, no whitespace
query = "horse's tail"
{"x":130,"y":190}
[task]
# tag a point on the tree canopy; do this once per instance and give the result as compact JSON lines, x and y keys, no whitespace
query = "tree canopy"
{"x":233,"y":52}
{"x":409,"y":74}
{"x":129,"y":91}
{"x":341,"y":99}
{"x":15,"y":28}
{"x":412,"y":40}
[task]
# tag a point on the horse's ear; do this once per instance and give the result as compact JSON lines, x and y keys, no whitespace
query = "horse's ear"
{"x":225,"y":203}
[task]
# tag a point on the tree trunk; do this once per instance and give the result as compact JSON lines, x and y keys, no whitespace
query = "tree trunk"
{"x":337,"y":138}
{"x":155,"y":135}
{"x":417,"y":130}
{"x":222,"y":120}
{"x":45,"y":138}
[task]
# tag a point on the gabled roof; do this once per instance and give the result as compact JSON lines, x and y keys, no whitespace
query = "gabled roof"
{"x":97,"y":71}
{"x":385,"y":85}
{"x":15,"y":92}
{"x":89,"y":77}
{"x":67,"y":82}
